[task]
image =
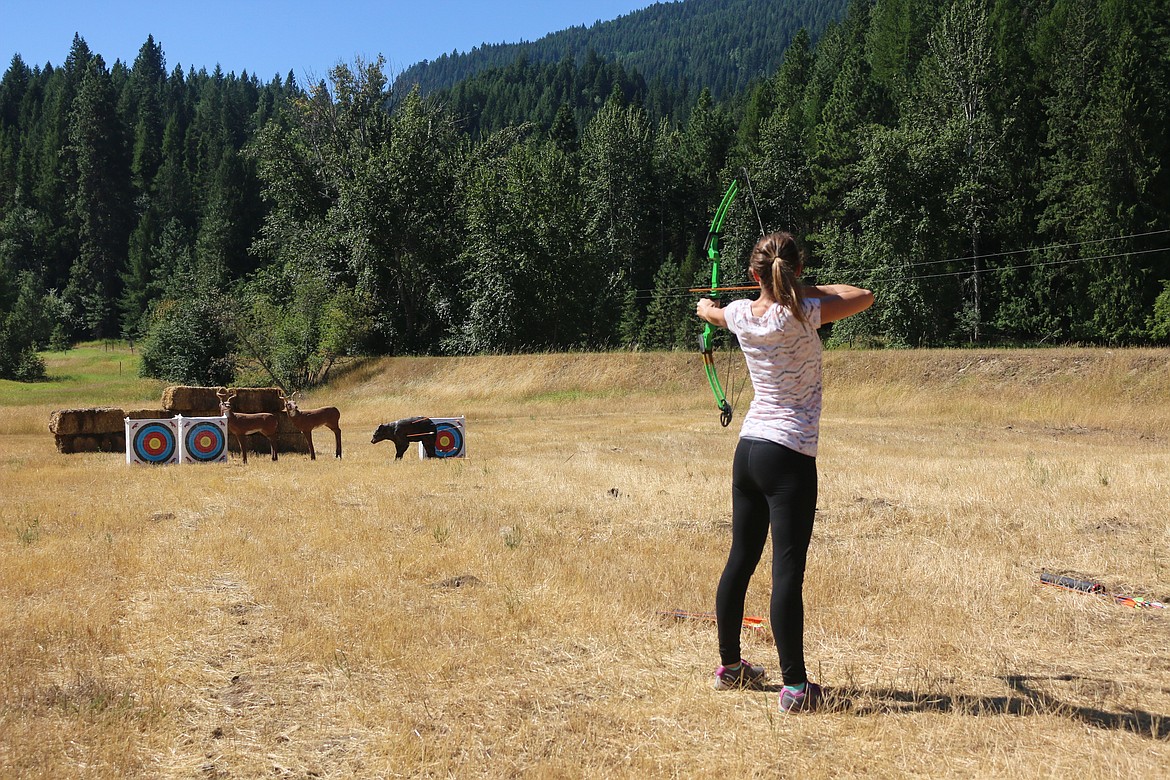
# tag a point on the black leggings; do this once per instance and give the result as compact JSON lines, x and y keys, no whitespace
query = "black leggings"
{"x":771,"y":486}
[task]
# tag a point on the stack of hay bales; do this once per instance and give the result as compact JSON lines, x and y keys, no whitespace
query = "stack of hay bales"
{"x":88,"y":430}
{"x":95,"y":430}
{"x":104,"y":429}
{"x":203,"y":402}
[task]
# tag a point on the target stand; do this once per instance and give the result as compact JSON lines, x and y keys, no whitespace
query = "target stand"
{"x":152,"y":441}
{"x":450,"y":438}
{"x":202,"y":439}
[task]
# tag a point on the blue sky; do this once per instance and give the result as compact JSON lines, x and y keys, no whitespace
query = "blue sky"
{"x":307,"y":37}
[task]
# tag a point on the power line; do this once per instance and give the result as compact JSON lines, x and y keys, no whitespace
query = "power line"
{"x":670,"y":294}
{"x":974,"y":271}
{"x":1042,"y":248}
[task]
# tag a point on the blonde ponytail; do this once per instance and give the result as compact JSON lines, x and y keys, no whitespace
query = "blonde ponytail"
{"x":778,"y":261}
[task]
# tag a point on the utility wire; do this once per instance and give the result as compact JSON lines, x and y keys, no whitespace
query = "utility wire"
{"x":1041,"y":248}
{"x":974,"y":271}
{"x":684,"y":293}
{"x":967,"y":258}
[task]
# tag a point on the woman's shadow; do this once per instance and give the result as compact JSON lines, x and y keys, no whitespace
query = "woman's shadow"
{"x":1026,"y":699}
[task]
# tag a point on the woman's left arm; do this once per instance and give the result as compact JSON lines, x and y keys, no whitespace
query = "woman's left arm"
{"x":708,"y":310}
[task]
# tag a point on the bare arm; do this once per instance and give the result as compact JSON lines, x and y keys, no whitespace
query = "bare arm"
{"x":839,"y":301}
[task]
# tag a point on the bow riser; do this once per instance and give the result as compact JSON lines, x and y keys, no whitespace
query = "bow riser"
{"x":707,"y":336}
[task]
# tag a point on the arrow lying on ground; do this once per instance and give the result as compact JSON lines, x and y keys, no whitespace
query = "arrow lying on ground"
{"x":1090,"y":586}
{"x":754,"y":623}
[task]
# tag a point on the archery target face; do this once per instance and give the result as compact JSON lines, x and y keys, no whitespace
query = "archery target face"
{"x":204,"y":442}
{"x":153,"y":441}
{"x":450,"y":438}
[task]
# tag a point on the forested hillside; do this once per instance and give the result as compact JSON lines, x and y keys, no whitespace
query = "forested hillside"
{"x":995,"y":171}
{"x":538,"y":94}
{"x":721,"y":45}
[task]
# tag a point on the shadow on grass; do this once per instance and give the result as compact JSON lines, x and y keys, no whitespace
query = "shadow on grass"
{"x":1026,"y":699}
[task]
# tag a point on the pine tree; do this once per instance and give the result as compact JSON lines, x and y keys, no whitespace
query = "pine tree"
{"x":55,"y":166}
{"x":144,"y":113}
{"x":14,"y":88}
{"x":964,"y":76}
{"x":839,"y":108}
{"x":616,"y":176}
{"x":98,"y":204}
{"x":669,"y":312}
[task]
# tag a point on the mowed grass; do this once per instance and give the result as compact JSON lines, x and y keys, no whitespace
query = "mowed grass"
{"x":497,"y":616}
{"x":90,"y":375}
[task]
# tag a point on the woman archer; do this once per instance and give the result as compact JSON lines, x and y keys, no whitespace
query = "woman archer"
{"x":774,"y":472}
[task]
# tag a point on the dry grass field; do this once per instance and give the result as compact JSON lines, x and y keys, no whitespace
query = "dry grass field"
{"x":496,"y":616}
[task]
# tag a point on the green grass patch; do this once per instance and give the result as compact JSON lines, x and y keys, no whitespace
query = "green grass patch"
{"x":571,"y":396}
{"x":89,"y":375}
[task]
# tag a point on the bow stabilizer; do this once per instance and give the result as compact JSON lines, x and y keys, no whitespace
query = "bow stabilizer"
{"x":707,"y":336}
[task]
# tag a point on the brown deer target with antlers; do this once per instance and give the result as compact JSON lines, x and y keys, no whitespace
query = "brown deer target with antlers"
{"x":240,"y":425}
{"x":306,"y":420}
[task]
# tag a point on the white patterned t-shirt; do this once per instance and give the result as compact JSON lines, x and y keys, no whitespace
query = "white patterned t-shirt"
{"x":784,"y":361}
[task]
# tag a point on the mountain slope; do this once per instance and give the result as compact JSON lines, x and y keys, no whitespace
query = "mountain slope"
{"x":719,"y":44}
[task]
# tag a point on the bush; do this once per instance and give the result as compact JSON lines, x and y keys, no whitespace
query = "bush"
{"x":188,"y":342}
{"x":1159,"y":322}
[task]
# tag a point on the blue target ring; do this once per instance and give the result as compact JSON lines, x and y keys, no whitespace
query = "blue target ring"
{"x":154,"y":443}
{"x":448,"y":440}
{"x":205,"y":442}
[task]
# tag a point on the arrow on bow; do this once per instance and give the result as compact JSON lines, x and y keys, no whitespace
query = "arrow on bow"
{"x":738,"y":287}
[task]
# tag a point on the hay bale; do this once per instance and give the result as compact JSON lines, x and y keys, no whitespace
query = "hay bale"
{"x":112,"y":442}
{"x":284,"y":426}
{"x":180,"y":399}
{"x":296,"y":442}
{"x":86,"y":444}
{"x":250,"y":400}
{"x":147,"y":414}
{"x":71,"y":422}
{"x":203,"y":401}
{"x":284,"y":443}
{"x":71,"y":444}
{"x":65,"y":422}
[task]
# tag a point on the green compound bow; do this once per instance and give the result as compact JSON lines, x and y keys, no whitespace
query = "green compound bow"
{"x":707,"y":337}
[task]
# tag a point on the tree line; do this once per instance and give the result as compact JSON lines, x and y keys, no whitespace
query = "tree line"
{"x":993,"y":170}
{"x":116,"y":182}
